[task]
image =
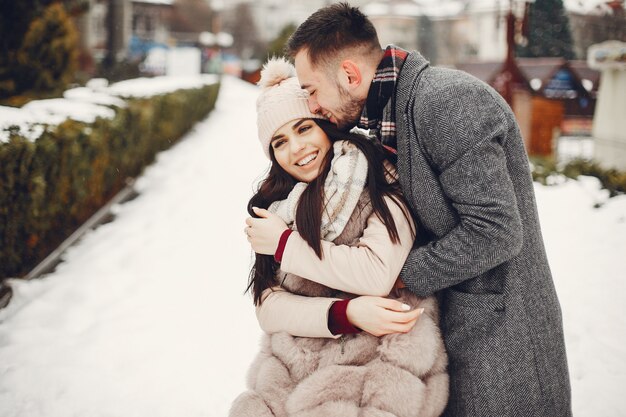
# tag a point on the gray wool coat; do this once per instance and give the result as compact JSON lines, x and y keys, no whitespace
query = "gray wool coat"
{"x":465,"y":174}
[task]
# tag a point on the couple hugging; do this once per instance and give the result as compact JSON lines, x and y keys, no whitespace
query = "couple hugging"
{"x":401,"y":273}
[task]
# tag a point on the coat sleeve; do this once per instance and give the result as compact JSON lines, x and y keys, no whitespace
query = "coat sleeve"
{"x":282,"y":311}
{"x":470,"y":124}
{"x":369,"y":268}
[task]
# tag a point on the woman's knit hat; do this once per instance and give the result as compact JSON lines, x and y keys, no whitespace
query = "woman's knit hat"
{"x":281,"y":100}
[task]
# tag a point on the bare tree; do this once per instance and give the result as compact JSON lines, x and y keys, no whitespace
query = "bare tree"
{"x":239,"y":22}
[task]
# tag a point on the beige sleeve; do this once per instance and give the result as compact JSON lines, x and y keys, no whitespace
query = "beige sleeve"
{"x":369,"y":268}
{"x":283,"y":311}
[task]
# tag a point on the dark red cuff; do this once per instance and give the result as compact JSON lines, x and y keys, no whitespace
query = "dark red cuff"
{"x":282,"y":242}
{"x":338,"y":319}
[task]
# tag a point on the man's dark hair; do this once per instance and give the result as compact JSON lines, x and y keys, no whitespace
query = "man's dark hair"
{"x":331,"y":29}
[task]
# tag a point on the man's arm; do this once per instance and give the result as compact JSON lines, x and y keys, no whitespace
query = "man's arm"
{"x":475,"y":178}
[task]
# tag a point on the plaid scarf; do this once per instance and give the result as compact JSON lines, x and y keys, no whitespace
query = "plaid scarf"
{"x":379,"y":112}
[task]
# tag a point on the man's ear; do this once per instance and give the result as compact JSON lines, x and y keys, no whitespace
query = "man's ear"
{"x":352,"y":73}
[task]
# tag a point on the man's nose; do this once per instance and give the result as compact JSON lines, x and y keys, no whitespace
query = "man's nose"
{"x":314,"y":106}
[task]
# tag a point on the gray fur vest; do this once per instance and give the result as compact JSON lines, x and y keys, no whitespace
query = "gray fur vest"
{"x":401,"y":375}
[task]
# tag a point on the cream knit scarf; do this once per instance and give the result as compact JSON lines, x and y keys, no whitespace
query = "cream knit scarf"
{"x":343,"y":187}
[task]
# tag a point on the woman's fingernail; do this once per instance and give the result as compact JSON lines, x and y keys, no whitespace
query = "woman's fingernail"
{"x":420,"y":310}
{"x":406,"y":307}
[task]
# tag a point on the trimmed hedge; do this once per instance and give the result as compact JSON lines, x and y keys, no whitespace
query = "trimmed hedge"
{"x":611,"y":179}
{"x":51,"y":186}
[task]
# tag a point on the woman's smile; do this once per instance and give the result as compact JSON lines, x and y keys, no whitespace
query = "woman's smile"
{"x":300,"y":147}
{"x":307,"y":159}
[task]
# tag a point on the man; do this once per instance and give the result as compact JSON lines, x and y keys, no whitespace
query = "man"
{"x":464,"y":171}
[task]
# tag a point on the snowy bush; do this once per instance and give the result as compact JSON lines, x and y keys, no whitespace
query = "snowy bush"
{"x":52,"y":184}
{"x":546,"y":171}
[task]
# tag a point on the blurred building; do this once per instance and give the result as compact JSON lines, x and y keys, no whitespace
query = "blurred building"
{"x":551,"y":97}
{"x":452,"y":31}
{"x":255,"y":23}
{"x":271,"y":16}
{"x":444,"y":31}
{"x":114,"y":27}
{"x":151,"y":19}
{"x":150,"y":22}
{"x":593,"y":22}
{"x":609,"y":123}
{"x":396,"y":21}
{"x":92,"y":25}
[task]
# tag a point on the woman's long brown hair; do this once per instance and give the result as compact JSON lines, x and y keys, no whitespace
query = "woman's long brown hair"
{"x":278,"y":184}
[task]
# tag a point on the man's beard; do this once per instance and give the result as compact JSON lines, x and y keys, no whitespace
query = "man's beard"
{"x":350,"y":110}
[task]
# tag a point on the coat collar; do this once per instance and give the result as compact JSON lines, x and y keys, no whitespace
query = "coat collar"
{"x":413,"y":66}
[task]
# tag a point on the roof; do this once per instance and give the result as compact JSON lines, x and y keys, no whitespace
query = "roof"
{"x":484,"y":71}
{"x":540,"y":73}
{"x":540,"y":68}
{"x":584,"y":72}
{"x":556,"y":77}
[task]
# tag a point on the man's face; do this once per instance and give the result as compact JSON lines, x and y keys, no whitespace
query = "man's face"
{"x":329,"y":92}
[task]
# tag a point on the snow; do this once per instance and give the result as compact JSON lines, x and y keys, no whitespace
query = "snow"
{"x":575,"y":147}
{"x":148,"y":87}
{"x":147,"y":316}
{"x":88,"y":95}
{"x":414,"y":8}
{"x":586,"y":6}
{"x":57,"y":110}
{"x":157,"y":2}
{"x":406,"y":9}
{"x":586,"y":248}
{"x":85,"y":104}
{"x":29,"y":124}
{"x":451,"y":8}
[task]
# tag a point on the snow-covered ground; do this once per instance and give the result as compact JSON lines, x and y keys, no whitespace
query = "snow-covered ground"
{"x":147,"y":317}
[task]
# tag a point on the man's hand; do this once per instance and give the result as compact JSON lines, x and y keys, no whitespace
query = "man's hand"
{"x":264,"y":232}
{"x":380,"y":316}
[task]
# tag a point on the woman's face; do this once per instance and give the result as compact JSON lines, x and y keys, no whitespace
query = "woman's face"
{"x":299,"y":148}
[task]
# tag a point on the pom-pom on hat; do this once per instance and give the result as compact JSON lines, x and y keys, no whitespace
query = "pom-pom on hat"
{"x":281,"y":100}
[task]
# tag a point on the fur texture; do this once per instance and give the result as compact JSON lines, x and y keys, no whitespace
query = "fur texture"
{"x":275,"y":71}
{"x":398,"y":375}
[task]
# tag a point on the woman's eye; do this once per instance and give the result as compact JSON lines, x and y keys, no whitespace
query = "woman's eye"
{"x":303,"y":129}
{"x":278,"y":143}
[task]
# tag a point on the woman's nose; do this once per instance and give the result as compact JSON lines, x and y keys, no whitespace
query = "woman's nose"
{"x":296,"y":145}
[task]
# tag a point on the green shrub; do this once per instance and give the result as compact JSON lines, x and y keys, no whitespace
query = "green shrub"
{"x":49,"y":52}
{"x":611,"y":179}
{"x":51,"y":186}
{"x":44,"y":57}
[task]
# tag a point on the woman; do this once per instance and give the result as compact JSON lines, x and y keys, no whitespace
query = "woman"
{"x":346,"y":218}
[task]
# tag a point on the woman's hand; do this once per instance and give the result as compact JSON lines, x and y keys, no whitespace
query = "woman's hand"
{"x":380,"y":316}
{"x":264,"y":232}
